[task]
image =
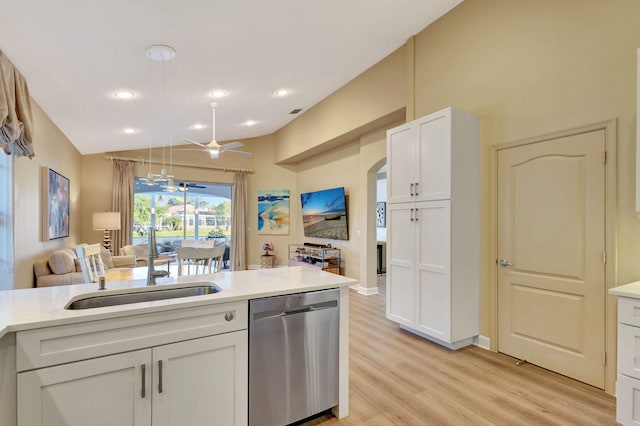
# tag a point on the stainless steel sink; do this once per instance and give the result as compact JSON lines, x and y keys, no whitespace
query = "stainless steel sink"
{"x":144,"y":295}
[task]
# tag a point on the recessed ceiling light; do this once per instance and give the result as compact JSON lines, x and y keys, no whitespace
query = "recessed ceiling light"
{"x":218,"y":93}
{"x":128,"y":131}
{"x":282,"y":93}
{"x":124,"y":94}
{"x":250,"y":123}
{"x":198,"y":126}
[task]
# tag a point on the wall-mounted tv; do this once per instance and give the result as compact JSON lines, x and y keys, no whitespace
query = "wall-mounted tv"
{"x":324,"y":214}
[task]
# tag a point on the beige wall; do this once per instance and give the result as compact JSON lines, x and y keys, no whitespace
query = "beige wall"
{"x":338,"y":167}
{"x":530,"y":68}
{"x":97,"y":175}
{"x":351,"y":111}
{"x":55,"y":151}
{"x":268,"y":176}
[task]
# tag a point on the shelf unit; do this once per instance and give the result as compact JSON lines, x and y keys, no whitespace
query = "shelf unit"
{"x":327,"y":259}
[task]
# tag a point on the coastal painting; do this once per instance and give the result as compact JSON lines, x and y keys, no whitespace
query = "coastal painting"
{"x":273,"y":212}
{"x":56,"y":202}
{"x":324,"y":214}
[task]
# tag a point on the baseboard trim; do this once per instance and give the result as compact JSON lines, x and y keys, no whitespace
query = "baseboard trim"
{"x":453,"y":345}
{"x":366,"y":291}
{"x":482,"y":342}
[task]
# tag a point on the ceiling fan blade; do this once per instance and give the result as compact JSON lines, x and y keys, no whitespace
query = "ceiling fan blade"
{"x":240,"y":153}
{"x":231,"y":145}
{"x":194,"y":142}
{"x":192,"y":149}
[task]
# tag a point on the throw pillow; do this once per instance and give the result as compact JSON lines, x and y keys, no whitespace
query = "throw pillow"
{"x":107,"y":260}
{"x":61,"y":262}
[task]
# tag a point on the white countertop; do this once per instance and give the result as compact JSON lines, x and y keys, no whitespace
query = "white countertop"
{"x":627,"y":290}
{"x":44,"y":307}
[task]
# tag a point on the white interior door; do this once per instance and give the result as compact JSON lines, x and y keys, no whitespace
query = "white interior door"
{"x":551,"y":239}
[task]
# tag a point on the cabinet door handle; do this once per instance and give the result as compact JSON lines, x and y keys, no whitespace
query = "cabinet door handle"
{"x":160,"y":376}
{"x":411,"y":189}
{"x":411,"y":215}
{"x":415,"y":214}
{"x":143,"y":372}
{"x":416,"y":188}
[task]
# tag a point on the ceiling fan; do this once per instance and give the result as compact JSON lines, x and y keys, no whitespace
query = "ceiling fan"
{"x":214,"y":148}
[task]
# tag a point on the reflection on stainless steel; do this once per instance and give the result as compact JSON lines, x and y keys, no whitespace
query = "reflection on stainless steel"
{"x":293,"y":356}
{"x":142,"y":296}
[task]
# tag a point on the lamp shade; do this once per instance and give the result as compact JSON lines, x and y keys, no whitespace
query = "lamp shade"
{"x":106,"y":221}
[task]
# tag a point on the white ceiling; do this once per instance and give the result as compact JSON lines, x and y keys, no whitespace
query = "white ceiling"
{"x":76,"y":53}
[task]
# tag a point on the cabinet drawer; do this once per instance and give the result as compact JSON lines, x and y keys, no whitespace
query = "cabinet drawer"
{"x":628,"y":400}
{"x":629,"y":350}
{"x":629,"y":311}
{"x":57,"y":345}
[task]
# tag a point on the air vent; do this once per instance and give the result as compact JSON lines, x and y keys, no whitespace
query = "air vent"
{"x":295,"y":111}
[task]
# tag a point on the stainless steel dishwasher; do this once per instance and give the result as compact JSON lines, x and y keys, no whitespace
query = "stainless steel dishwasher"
{"x":293,"y":356}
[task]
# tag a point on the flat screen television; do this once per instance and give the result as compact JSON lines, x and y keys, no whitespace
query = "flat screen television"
{"x":324,"y":214}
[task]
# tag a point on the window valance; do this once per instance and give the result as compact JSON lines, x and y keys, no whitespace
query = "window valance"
{"x":16,"y":119}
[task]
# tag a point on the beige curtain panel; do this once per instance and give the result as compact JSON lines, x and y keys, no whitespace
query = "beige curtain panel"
{"x":16,"y":119}
{"x":122,"y":201}
{"x":239,"y":223}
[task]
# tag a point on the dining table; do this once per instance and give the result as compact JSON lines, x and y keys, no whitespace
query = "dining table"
{"x":136,"y":273}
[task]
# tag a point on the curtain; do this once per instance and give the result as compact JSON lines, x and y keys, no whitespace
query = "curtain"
{"x":16,"y":119}
{"x":6,"y":222}
{"x":239,"y":222}
{"x":122,"y":201}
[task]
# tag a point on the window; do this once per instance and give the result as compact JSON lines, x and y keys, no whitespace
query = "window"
{"x":6,"y":222}
{"x":202,"y":211}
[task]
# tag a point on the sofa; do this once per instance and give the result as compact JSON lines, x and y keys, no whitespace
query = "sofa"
{"x":141,"y":254}
{"x":62,"y":267}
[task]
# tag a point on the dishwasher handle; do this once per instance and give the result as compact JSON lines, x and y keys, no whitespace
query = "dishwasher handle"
{"x":297,"y":310}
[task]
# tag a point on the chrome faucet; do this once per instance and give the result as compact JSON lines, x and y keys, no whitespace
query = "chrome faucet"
{"x":153,"y":253}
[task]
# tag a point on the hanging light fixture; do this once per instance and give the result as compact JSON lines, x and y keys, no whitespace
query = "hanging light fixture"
{"x":164,"y":54}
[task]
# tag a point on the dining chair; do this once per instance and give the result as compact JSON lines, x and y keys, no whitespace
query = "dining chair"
{"x":201,"y":258}
{"x":217,"y":258}
{"x":90,"y":262}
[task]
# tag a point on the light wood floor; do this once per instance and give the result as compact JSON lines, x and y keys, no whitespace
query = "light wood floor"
{"x":397,"y":378}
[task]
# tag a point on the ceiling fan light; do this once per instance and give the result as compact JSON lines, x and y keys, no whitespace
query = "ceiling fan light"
{"x":214,"y":153}
{"x":170,"y":186}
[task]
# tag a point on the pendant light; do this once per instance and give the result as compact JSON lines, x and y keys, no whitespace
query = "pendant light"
{"x":164,"y":54}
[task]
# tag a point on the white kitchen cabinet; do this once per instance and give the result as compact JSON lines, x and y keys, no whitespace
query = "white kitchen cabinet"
{"x":433,"y":226}
{"x":424,"y":157}
{"x":205,"y":381}
{"x":200,"y":381}
{"x":628,"y":380}
{"x":99,"y":392}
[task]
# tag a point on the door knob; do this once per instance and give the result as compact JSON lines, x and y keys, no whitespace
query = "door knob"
{"x":504,"y":262}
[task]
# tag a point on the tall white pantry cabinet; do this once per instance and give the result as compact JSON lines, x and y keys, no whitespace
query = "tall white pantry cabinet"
{"x":433,"y":227}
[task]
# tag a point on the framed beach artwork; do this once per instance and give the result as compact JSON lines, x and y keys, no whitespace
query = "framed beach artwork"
{"x":55,"y":205}
{"x":273,"y":212}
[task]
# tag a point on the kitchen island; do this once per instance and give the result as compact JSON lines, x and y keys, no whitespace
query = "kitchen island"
{"x":41,"y":341}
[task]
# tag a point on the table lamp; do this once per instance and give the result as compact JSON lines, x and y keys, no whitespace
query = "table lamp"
{"x":106,"y":221}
